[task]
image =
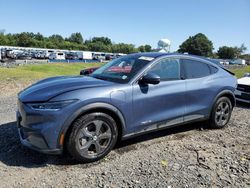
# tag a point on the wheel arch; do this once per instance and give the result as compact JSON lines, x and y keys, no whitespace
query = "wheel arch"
{"x":90,"y":108}
{"x":225,"y":93}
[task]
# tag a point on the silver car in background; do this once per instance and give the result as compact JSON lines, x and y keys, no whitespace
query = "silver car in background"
{"x":242,"y":93}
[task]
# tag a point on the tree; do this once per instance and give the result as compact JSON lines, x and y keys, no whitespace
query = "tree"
{"x":104,"y":40}
{"x":141,"y":48}
{"x":3,"y":39}
{"x":56,"y":38}
{"x":97,"y":46}
{"x":240,"y":50}
{"x":197,"y":45}
{"x":226,"y":52}
{"x":76,"y":37}
{"x":148,"y":48}
{"x":124,"y":48}
{"x":145,"y":48}
{"x":24,"y":39}
{"x":39,"y":36}
{"x":74,"y":42}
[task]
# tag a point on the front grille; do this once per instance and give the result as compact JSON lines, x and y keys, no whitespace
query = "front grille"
{"x":244,"y":88}
{"x":244,"y":96}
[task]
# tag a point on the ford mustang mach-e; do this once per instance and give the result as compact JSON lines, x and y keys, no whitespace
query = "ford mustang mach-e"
{"x":130,"y":95}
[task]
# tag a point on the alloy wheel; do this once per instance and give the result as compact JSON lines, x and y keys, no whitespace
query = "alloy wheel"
{"x":94,"y":138}
{"x":222,"y":113}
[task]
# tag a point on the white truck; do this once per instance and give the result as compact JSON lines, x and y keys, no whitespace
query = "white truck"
{"x":84,"y":55}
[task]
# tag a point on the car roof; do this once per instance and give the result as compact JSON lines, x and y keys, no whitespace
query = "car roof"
{"x":160,"y":54}
{"x":151,"y":54}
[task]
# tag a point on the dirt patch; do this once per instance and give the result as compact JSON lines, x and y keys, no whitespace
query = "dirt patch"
{"x":12,"y":87}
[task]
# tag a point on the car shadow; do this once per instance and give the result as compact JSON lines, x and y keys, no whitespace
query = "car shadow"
{"x":12,"y":153}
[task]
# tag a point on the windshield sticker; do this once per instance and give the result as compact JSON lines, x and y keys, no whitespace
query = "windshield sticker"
{"x":146,"y":58}
{"x":124,"y":77}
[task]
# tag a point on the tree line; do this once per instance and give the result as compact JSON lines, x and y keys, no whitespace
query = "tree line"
{"x":198,"y":44}
{"x":74,"y":42}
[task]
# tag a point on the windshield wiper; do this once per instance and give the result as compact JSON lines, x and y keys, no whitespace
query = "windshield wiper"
{"x":100,"y":77}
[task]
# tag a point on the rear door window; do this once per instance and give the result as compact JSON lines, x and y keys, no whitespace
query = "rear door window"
{"x":195,"y":69}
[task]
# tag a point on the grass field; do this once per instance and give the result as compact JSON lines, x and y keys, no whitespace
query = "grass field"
{"x":239,"y":72}
{"x":39,"y":71}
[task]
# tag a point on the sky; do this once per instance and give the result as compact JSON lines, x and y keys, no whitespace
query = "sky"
{"x":224,"y":22}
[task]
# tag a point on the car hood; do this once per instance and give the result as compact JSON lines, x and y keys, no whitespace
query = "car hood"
{"x":48,"y":88}
{"x":244,"y":81}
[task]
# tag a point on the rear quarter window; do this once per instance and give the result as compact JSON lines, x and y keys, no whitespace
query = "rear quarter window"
{"x":196,"y":69}
{"x":213,"y":69}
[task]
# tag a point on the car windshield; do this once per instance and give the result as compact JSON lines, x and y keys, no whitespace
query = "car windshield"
{"x":123,"y":69}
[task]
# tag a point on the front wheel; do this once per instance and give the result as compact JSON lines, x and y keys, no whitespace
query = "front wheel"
{"x":221,"y":113}
{"x":92,"y":137}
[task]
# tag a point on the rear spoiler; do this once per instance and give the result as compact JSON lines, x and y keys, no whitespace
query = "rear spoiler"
{"x":228,"y":71}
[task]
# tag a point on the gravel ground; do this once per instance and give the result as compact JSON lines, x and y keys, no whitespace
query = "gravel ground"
{"x":185,"y":156}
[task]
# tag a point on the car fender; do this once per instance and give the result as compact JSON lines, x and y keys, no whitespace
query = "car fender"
{"x":86,"y":108}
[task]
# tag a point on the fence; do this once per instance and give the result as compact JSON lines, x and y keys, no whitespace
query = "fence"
{"x":73,"y":61}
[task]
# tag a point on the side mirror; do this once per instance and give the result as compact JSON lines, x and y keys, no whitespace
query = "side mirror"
{"x":247,"y":74}
{"x":150,"y":78}
{"x":84,"y":72}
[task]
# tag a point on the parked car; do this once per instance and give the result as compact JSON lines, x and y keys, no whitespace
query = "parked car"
{"x":109,"y":57}
{"x":24,"y":56}
{"x":99,"y":56}
{"x":57,"y":55}
{"x":88,"y":71}
{"x":242,"y":93}
{"x":12,"y":54}
{"x":87,"y":115}
{"x":71,"y":56}
{"x":40,"y":55}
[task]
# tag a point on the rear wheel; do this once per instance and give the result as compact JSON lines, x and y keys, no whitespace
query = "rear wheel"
{"x":221,"y":113}
{"x":92,"y":137}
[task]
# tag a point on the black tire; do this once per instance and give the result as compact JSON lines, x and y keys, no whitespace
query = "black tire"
{"x":84,"y":144}
{"x":221,"y":113}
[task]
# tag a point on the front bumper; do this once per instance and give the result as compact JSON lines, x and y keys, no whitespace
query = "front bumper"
{"x":41,"y":130}
{"x":33,"y":139}
{"x":39,"y":148}
{"x":242,"y":96}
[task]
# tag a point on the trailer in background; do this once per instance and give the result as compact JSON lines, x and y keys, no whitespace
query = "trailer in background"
{"x":84,"y":55}
{"x":239,"y":61}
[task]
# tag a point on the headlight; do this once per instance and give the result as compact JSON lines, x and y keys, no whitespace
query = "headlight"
{"x":57,"y":105}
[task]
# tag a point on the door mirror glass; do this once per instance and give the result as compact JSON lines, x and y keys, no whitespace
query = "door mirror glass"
{"x":150,"y":78}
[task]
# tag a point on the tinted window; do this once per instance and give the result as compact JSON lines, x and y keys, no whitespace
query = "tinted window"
{"x":213,"y":69}
{"x":195,"y":69}
{"x":167,"y":69}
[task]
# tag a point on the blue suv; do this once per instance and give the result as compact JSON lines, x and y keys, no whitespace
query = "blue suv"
{"x":131,"y":95}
